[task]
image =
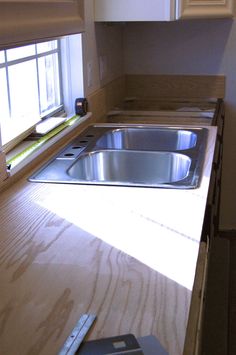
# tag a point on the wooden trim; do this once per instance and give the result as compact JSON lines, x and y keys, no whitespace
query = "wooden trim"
{"x":205,"y":8}
{"x":3,"y":170}
{"x":176,"y":86}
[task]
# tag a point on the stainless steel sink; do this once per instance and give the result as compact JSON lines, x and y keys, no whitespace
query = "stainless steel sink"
{"x":147,"y":139}
{"x":130,"y":155}
{"x":131,"y":168}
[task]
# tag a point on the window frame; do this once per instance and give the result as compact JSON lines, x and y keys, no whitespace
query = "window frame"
{"x":71,"y":83}
{"x":8,"y":63}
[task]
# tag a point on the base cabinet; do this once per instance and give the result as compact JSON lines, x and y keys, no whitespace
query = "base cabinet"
{"x":192,"y":344}
{"x":216,"y":301}
{"x":160,"y":10}
{"x":212,"y":214}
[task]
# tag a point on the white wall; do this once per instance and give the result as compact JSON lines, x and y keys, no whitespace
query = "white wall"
{"x":182,"y":47}
{"x":193,"y":47}
{"x":101,"y":41}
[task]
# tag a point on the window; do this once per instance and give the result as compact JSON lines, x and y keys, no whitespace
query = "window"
{"x":30,"y":86}
{"x":37,"y":81}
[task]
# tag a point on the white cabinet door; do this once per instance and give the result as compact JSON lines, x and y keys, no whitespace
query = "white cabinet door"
{"x":160,"y":10}
{"x":134,"y":10}
{"x":204,"y":8}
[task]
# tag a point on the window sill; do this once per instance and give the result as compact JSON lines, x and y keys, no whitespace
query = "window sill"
{"x":30,"y":152}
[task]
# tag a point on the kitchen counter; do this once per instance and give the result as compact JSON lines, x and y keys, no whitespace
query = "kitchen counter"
{"x":129,"y":255}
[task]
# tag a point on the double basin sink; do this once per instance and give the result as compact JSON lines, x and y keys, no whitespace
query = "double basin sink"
{"x":130,"y":155}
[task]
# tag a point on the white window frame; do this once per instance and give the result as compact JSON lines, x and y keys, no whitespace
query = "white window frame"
{"x":8,"y":63}
{"x":71,"y":74}
{"x":72,"y":71}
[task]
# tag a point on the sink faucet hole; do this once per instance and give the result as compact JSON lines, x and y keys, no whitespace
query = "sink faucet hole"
{"x":69,"y":155}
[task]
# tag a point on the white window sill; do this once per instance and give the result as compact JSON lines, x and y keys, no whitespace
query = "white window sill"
{"x":30,"y":157}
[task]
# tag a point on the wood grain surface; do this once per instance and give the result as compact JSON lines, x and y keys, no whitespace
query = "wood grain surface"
{"x":158,"y":120}
{"x":52,"y":272}
{"x":175,"y":86}
{"x":126,"y":254}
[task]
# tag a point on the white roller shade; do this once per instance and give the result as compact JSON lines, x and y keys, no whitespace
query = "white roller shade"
{"x":34,"y":20}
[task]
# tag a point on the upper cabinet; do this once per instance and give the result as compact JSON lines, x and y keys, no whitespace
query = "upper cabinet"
{"x":204,"y":8}
{"x":134,"y":10}
{"x":160,"y":10}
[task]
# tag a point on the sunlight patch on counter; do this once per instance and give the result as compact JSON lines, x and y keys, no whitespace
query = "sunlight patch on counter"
{"x":119,"y":223}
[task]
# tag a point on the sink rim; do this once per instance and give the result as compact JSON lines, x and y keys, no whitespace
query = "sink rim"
{"x":62,"y":162}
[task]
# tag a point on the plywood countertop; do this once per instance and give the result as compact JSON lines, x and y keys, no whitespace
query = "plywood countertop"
{"x":128,"y":255}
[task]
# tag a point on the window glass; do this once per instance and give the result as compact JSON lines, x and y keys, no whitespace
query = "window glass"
{"x":4,"y":107}
{"x":2,"y":58}
{"x":21,"y":52}
{"x":24,"y":105}
{"x":24,"y":91}
{"x":46,"y":46}
{"x":29,"y":86}
{"x":49,"y":82}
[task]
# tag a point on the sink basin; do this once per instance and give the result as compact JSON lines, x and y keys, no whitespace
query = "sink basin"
{"x":130,"y":155}
{"x":130,"y":168}
{"x":147,"y":139}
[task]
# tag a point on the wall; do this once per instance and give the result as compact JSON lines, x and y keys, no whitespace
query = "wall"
{"x":183,"y":47}
{"x":192,"y":47}
{"x":101,"y":42}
